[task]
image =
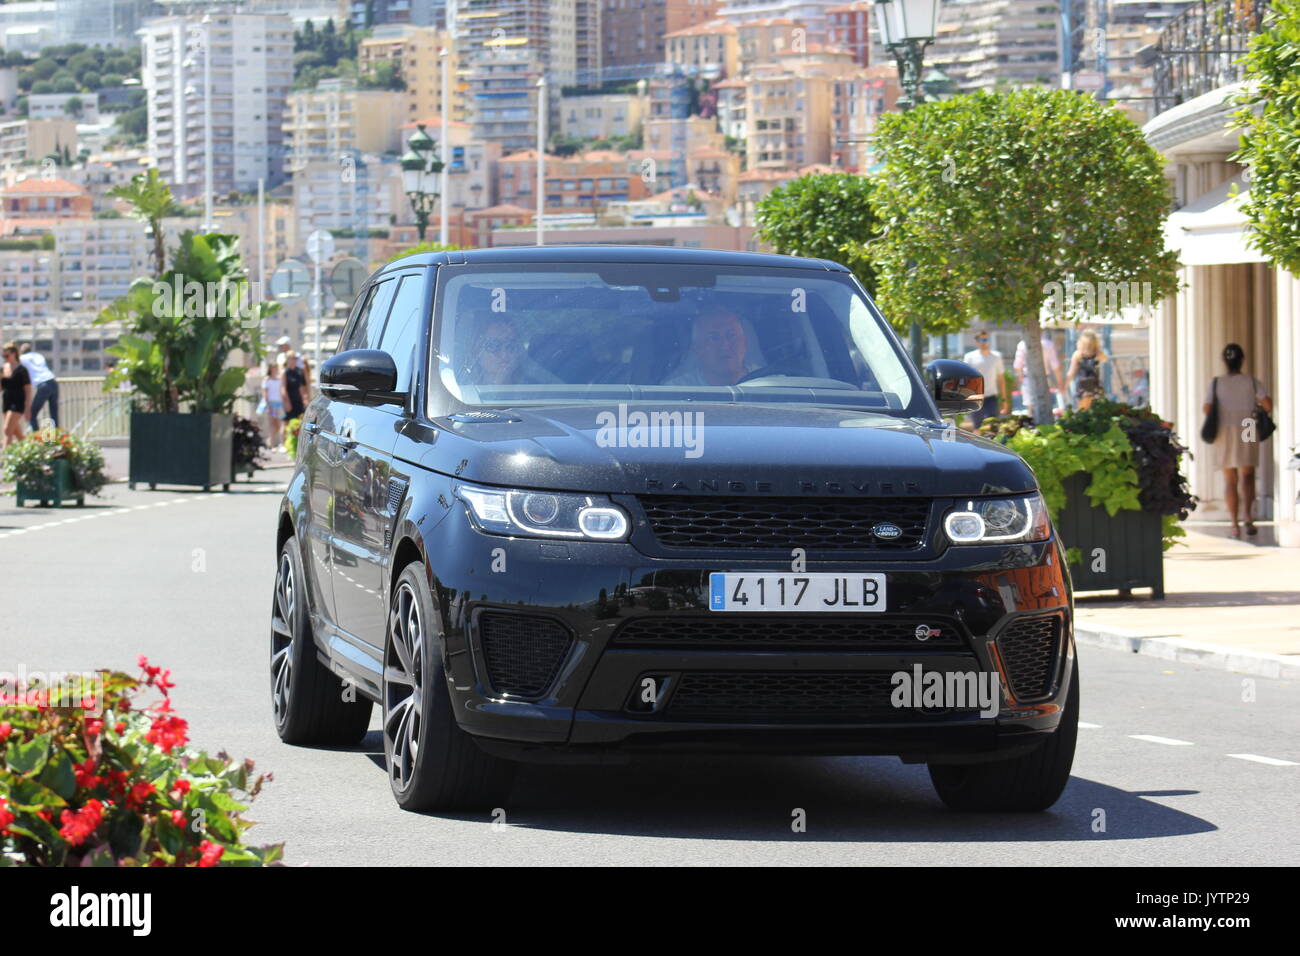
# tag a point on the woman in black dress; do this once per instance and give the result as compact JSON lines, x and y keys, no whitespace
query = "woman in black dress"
{"x":15,"y":394}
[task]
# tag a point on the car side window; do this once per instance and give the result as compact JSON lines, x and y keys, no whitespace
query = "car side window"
{"x":401,"y":336}
{"x":369,"y":325}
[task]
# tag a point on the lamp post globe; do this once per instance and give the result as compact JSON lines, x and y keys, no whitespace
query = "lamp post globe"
{"x":420,"y":169}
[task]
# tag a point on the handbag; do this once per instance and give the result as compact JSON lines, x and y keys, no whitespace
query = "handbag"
{"x":1210,"y":429}
{"x":1264,"y":424}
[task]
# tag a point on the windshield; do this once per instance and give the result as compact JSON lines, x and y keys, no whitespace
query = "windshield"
{"x":547,"y":333}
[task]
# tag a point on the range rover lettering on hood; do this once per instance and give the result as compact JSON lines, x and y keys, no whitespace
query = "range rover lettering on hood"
{"x":716,"y":485}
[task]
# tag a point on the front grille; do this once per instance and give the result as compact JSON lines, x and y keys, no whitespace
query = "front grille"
{"x":788,"y":696}
{"x":837,"y":524}
{"x":1028,"y":648}
{"x":773,"y":632}
{"x":522,"y":653}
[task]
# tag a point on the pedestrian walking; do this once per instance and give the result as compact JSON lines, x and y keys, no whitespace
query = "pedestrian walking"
{"x":988,"y":362}
{"x":284,"y":345}
{"x":44,"y":383}
{"x":294,"y":390}
{"x":1051,"y":364}
{"x":1085,"y":369}
{"x":1231,"y":404}
{"x":15,"y":393}
{"x":272,"y":404}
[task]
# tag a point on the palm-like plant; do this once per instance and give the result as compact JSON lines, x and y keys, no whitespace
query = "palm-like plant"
{"x":150,"y":199}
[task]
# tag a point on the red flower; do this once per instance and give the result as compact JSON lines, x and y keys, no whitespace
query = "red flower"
{"x":120,"y":727}
{"x":86,"y":774}
{"x":94,"y":726}
{"x":210,"y":853}
{"x":45,"y":815}
{"x":181,"y":788}
{"x":178,"y":819}
{"x":168,"y":732}
{"x":6,"y":816}
{"x":140,"y":792}
{"x":78,"y":826}
{"x":5,"y":730}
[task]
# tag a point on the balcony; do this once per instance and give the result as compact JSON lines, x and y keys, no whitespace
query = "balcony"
{"x":1199,"y":50}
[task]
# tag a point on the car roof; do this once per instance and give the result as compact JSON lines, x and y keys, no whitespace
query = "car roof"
{"x":613,"y":253}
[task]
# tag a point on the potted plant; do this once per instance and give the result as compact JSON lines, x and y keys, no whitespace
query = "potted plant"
{"x":52,"y":465}
{"x":182,"y":328}
{"x":1112,"y":478}
{"x":247,"y":446}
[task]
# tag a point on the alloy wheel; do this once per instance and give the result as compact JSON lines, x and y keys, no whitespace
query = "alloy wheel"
{"x":403,"y":686}
{"x":283,"y":612}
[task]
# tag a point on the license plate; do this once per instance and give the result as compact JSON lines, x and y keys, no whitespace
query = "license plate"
{"x":796,"y":592}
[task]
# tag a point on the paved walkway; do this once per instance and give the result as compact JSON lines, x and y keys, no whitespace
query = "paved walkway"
{"x":1238,"y":600}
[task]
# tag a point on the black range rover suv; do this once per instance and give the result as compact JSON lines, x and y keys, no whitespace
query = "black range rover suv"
{"x":566,"y":502}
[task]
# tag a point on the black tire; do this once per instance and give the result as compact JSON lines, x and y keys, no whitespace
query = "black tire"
{"x":307,"y":701}
{"x":1029,"y":783}
{"x":433,"y":764}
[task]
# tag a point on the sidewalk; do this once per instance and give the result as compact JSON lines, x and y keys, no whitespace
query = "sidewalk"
{"x":1227,"y":603}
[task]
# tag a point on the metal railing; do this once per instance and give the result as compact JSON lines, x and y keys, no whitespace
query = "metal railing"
{"x":86,"y":409}
{"x":1200,"y":50}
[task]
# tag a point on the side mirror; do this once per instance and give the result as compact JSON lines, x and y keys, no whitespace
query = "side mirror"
{"x":362,"y":376}
{"x":955,"y":387}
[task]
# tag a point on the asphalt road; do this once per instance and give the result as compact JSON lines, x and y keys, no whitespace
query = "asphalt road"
{"x":1173,"y":765}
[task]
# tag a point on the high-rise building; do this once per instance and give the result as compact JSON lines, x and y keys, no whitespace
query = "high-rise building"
{"x":415,"y":53}
{"x":849,"y":27}
{"x":986,"y":43}
{"x":633,"y":31}
{"x":813,"y":16}
{"x":246,"y":83}
{"x":335,"y":121}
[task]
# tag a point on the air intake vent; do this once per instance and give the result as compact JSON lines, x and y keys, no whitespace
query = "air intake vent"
{"x":772,"y":632}
{"x":522,"y":653}
{"x":1028,"y":648}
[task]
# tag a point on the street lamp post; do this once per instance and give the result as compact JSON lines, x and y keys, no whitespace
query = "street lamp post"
{"x":907,"y":27}
{"x":420,"y":169}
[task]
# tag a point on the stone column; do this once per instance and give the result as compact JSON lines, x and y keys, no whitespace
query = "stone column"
{"x":1286,"y":405}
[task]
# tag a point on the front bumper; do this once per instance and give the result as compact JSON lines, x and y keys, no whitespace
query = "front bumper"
{"x":608,"y":627}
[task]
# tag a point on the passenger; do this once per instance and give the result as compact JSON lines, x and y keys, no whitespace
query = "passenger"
{"x":718,"y":351}
{"x":498,"y":356}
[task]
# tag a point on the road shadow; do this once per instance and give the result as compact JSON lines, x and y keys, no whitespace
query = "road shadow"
{"x":844,"y":799}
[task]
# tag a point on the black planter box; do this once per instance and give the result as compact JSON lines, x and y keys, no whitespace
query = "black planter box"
{"x":181,"y":449}
{"x":1131,"y":543}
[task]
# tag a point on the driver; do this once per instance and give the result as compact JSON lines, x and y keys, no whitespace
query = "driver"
{"x":717,"y":353}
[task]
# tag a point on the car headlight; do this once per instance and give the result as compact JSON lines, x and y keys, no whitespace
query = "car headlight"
{"x":999,"y":521}
{"x":544,"y":514}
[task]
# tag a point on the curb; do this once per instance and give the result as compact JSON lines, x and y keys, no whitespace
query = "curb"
{"x":1238,"y":660}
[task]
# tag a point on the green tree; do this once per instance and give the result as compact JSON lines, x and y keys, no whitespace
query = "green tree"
{"x":1270,"y":144}
{"x":428,"y":246}
{"x":990,"y":201}
{"x":825,"y":216}
{"x":134,"y":123}
{"x":150,"y":199}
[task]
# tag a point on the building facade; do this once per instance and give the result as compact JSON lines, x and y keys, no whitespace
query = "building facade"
{"x":247,"y":81}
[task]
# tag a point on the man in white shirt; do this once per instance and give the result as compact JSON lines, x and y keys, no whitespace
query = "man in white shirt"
{"x":45,"y":387}
{"x":988,"y":362}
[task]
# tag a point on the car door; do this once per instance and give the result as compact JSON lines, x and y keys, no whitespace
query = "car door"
{"x":369,"y":491}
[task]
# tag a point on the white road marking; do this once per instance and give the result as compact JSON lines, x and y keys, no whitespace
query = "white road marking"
{"x":1084,"y":725}
{"x":1271,"y":761}
{"x":1162,"y":740}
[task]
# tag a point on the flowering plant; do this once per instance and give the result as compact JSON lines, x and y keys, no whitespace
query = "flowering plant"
{"x":31,"y":460}
{"x":88,"y":777}
{"x":291,"y":429}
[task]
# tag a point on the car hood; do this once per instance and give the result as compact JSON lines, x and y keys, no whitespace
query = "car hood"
{"x":723,"y":449}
